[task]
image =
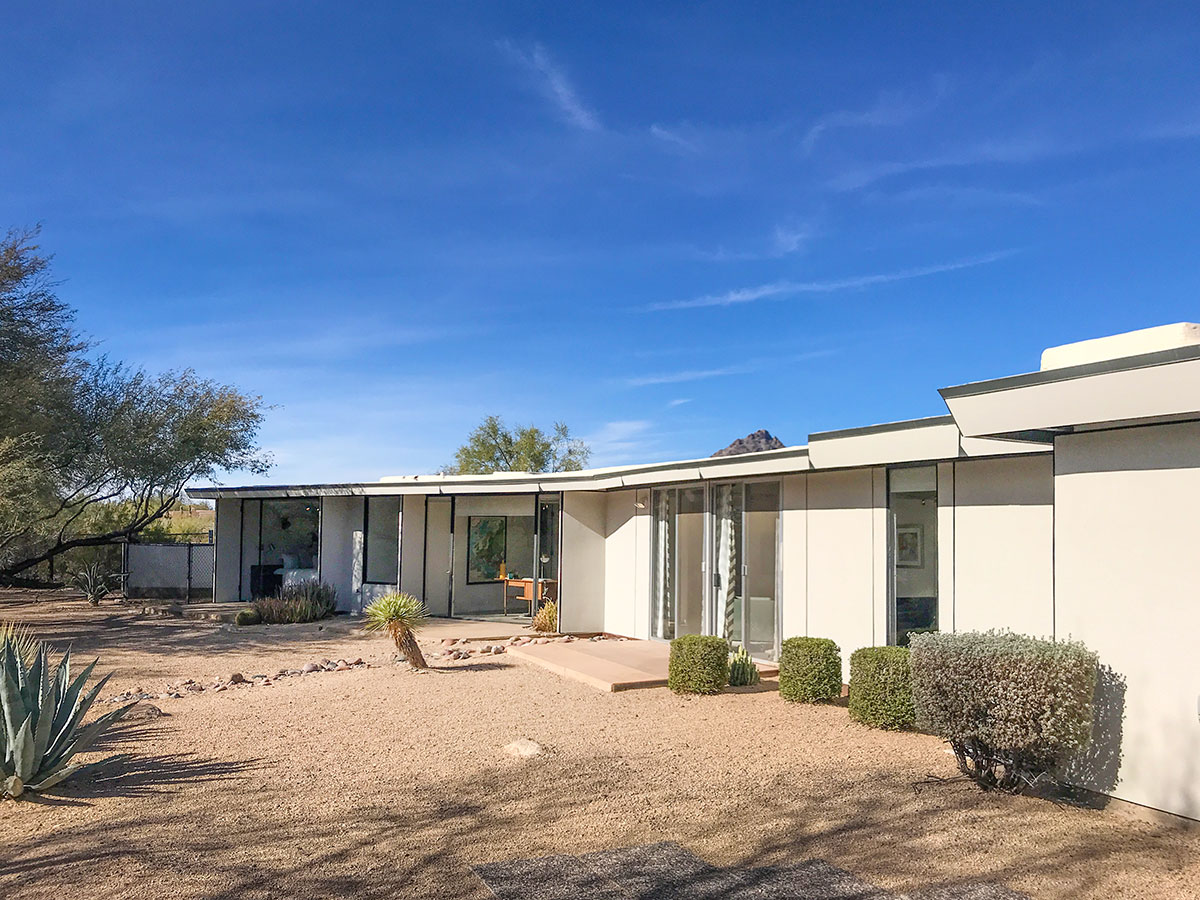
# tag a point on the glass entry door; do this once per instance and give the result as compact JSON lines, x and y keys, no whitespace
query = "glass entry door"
{"x":678,"y":562}
{"x":745,"y":551}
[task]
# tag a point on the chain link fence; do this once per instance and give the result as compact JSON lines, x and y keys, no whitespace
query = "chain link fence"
{"x":182,"y":571}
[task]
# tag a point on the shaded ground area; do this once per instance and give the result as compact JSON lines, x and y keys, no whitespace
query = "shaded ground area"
{"x":381,"y":783}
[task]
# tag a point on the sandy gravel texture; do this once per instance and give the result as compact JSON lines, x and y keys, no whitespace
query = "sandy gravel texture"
{"x":382,"y":783}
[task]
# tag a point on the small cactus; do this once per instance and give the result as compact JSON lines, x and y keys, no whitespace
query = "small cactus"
{"x":742,"y":670}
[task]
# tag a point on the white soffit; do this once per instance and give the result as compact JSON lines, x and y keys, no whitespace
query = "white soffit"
{"x":894,"y":442}
{"x":1156,"y":386}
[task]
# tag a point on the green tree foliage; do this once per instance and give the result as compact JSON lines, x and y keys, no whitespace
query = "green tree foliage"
{"x":79,"y":432}
{"x":494,"y":447}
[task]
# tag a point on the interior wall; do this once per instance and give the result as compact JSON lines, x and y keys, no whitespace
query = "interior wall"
{"x":1003,"y":540}
{"x":841,"y":559}
{"x":251,"y":519}
{"x":227,"y":524}
{"x":918,"y":581}
{"x":487,"y":597}
{"x":341,"y":517}
{"x":1127,"y":528}
{"x":412,"y":544}
{"x":583,"y":561}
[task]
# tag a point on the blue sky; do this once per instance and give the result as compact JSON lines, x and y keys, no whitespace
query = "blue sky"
{"x":667,"y":225}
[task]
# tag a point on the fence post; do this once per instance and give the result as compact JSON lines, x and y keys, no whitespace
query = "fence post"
{"x":188,"y":597}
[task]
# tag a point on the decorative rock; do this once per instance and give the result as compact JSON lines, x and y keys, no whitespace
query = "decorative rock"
{"x":310,"y":667}
{"x":449,"y":642}
{"x":219,"y":688}
{"x":164,"y":696}
{"x":237,"y":678}
{"x":143,"y":711}
{"x":497,"y":650}
{"x":341,"y":667}
{"x":524,"y":748}
{"x":357,"y":662}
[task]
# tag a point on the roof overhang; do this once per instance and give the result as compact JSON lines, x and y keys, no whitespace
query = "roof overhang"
{"x":893,"y":442}
{"x":766,"y":462}
{"x":1153,"y":387}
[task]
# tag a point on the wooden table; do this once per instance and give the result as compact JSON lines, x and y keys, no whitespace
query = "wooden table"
{"x":525,"y":585}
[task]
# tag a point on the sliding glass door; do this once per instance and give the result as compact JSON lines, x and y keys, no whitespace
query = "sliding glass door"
{"x":678,"y":562}
{"x":745,"y":553}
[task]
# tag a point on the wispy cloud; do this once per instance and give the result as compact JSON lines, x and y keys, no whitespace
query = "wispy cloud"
{"x":679,"y":401}
{"x":620,"y":441}
{"x":958,"y":195}
{"x":686,"y":375}
{"x":553,"y":84}
{"x":785,"y":240}
{"x":1014,"y":151}
{"x":785,"y":288}
{"x":890,"y":109}
{"x":675,"y":139}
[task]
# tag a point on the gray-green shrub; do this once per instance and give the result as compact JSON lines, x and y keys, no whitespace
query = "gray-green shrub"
{"x":881,"y":687}
{"x":304,"y":601}
{"x":742,"y":670}
{"x":699,"y":664}
{"x":810,"y":670}
{"x":1014,"y":709}
{"x":248,"y":616}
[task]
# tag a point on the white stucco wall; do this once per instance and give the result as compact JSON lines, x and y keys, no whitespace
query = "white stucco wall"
{"x":842,"y":559}
{"x":793,"y":558}
{"x":341,"y":519}
{"x":412,"y":544}
{"x":251,"y":520}
{"x":1127,"y":533}
{"x":1002,"y":540}
{"x":621,"y":571}
{"x":227,"y":526}
{"x":584,"y":526}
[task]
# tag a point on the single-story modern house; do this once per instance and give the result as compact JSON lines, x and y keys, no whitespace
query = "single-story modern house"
{"x":1063,"y":502}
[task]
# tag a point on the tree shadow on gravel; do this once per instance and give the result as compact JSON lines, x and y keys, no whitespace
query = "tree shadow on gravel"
{"x":423,"y":839}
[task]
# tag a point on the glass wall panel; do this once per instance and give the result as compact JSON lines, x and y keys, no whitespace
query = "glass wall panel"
{"x":728,"y":505}
{"x":761,"y":554}
{"x":677,"y":547}
{"x":381,"y":545}
{"x":288,"y":544}
{"x":549,"y":514}
{"x":913,"y":511}
{"x":518,"y":550}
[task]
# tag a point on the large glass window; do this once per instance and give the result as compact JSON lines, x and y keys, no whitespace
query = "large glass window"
{"x":913,"y":552}
{"x":381,"y":547}
{"x":745,"y":564}
{"x":678,"y":562}
{"x":288,"y":544}
{"x":499,"y":548}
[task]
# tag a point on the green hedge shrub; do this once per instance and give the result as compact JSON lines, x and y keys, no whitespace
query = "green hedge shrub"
{"x":304,"y":601}
{"x":248,"y":616}
{"x":699,"y":664}
{"x":810,"y":670}
{"x":1014,"y":709}
{"x":881,"y":687}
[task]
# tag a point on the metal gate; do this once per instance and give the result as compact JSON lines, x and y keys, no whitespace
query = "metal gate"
{"x":176,"y":571}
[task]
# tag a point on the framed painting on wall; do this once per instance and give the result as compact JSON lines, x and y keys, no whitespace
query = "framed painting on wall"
{"x":910,"y":546}
{"x":486,"y":540}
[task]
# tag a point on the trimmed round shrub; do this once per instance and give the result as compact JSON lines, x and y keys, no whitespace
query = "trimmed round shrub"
{"x":881,"y":687}
{"x":1014,"y":709}
{"x":249,"y":616}
{"x":699,"y":664}
{"x":810,"y":670}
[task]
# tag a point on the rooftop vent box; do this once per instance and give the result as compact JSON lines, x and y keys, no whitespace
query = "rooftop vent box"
{"x":1120,"y":346}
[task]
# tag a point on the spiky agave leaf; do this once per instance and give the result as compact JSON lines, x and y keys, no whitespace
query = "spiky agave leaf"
{"x":22,"y":639}
{"x":41,"y":720}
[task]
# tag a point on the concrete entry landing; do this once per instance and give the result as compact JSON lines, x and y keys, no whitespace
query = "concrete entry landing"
{"x":608,"y":665}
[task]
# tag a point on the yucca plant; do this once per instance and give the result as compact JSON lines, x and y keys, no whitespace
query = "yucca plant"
{"x":21,"y":638}
{"x":93,"y":582}
{"x":43,"y":712}
{"x":401,"y":616}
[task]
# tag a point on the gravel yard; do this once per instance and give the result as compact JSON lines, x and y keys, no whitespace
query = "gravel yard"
{"x":377,"y":782}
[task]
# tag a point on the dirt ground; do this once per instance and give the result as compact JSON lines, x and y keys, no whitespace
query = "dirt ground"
{"x":382,"y":783}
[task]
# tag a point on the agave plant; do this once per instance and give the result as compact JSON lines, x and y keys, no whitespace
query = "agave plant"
{"x":42,"y":714}
{"x":21,"y":638}
{"x":93,"y":582}
{"x":401,"y":615}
